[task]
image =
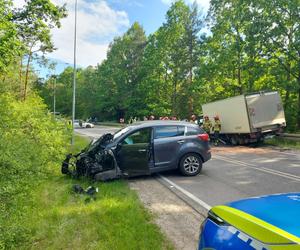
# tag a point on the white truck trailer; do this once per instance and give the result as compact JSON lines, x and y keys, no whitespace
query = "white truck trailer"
{"x":248,"y":118}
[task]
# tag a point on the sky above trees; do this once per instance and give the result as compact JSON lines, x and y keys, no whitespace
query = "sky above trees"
{"x":99,"y":22}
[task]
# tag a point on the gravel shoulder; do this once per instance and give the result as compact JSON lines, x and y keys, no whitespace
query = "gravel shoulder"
{"x":178,"y":221}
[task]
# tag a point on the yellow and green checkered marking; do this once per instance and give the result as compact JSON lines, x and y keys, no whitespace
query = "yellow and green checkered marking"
{"x":260,"y":230}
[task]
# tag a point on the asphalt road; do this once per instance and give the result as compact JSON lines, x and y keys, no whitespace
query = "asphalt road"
{"x":96,"y":132}
{"x":239,"y":172}
{"x":234,"y":173}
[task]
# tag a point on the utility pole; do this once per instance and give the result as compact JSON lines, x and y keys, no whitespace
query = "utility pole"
{"x":74,"y":75}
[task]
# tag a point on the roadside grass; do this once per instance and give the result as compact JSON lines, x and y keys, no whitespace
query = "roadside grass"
{"x":80,"y":143}
{"x":115,"y":219}
{"x":283,"y":143}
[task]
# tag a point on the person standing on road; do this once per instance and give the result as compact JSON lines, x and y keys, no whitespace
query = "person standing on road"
{"x":193,"y":119}
{"x":217,"y":129}
{"x":207,"y":125}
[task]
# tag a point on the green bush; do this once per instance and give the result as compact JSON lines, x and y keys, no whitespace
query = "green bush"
{"x":32,"y":143}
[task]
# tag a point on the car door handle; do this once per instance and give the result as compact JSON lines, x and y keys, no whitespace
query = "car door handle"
{"x":180,"y":141}
{"x":142,"y":150}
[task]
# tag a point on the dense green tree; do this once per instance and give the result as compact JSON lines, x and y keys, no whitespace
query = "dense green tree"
{"x":250,"y":46}
{"x":280,"y":37}
{"x":34,"y":22}
{"x":229,"y":23}
{"x":171,"y":58}
{"x":9,"y":43}
{"x":120,"y":75}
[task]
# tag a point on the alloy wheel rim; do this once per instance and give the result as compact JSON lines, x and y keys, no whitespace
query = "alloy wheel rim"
{"x":191,"y":164}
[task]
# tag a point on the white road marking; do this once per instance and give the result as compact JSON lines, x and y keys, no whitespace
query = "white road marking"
{"x":262,"y":169}
{"x":287,"y":153}
{"x":187,"y":193}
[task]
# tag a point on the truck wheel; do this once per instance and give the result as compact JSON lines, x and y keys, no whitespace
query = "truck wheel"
{"x":233,"y":140}
{"x":241,"y":141}
{"x":190,"y":164}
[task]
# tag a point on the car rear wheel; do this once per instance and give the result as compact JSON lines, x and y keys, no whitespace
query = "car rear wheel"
{"x":88,"y":126}
{"x":190,"y":164}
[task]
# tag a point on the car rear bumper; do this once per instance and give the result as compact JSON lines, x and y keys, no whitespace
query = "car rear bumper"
{"x":206,"y":155}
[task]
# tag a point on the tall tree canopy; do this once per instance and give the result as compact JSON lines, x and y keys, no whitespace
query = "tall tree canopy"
{"x":239,"y":47}
{"x":24,"y":32}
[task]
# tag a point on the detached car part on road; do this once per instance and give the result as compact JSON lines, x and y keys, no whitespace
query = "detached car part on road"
{"x":262,"y":223}
{"x":142,"y":149}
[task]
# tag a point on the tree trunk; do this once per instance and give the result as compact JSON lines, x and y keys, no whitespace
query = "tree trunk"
{"x":240,"y":87}
{"x":20,"y":76}
{"x":240,"y":82}
{"x":26,"y":75}
{"x":174,"y":97}
{"x":286,"y":99}
{"x":190,"y":94}
{"x":287,"y":94}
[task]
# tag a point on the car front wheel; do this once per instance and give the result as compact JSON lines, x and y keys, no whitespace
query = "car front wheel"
{"x":190,"y":164}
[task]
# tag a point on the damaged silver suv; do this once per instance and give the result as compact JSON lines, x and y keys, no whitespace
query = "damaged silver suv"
{"x":143,"y":148}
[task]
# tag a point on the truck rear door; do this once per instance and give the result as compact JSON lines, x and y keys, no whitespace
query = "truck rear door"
{"x":265,"y":110}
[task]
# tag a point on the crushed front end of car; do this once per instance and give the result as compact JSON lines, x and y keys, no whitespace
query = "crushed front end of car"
{"x":96,"y":161}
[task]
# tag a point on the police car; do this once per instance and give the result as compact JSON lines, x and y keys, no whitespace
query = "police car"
{"x":266,"y":222}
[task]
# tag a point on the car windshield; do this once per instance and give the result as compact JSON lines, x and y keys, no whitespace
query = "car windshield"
{"x":93,"y":145}
{"x":121,"y":132}
{"x":102,"y":141}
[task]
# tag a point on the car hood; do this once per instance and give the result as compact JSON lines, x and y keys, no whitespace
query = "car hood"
{"x":280,"y":210}
{"x":272,"y":219}
{"x":102,"y":142}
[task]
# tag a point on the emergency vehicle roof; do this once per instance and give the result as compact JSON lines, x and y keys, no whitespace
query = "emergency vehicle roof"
{"x":273,"y":219}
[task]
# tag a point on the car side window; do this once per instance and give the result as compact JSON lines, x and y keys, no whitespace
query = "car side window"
{"x":192,"y":131}
{"x":180,"y":130}
{"x":168,"y":131}
{"x":140,"y":136}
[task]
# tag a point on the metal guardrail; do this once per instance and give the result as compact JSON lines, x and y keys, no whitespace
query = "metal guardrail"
{"x":294,"y":137}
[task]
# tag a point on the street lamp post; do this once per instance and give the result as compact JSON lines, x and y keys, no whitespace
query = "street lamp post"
{"x":74,"y":75}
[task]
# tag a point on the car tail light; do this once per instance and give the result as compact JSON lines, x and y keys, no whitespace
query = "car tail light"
{"x":203,"y":137}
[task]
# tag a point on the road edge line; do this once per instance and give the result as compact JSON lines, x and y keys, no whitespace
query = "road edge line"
{"x":186,"y":193}
{"x":261,"y":169}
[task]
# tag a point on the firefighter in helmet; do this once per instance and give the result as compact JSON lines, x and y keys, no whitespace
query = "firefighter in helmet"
{"x":217,"y":129}
{"x":207,"y":125}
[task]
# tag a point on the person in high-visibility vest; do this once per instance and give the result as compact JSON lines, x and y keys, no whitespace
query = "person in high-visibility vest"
{"x":207,"y":125}
{"x":217,"y":129}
